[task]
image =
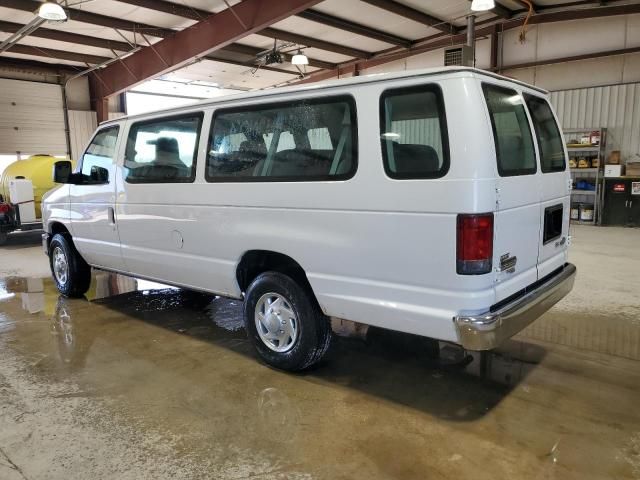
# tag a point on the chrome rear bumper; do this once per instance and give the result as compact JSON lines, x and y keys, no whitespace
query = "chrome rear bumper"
{"x":486,"y":331}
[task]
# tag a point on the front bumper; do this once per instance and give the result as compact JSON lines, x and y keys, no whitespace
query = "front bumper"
{"x":487,"y":330}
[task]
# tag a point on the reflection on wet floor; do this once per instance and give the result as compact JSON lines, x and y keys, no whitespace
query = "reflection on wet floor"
{"x":383,"y":405}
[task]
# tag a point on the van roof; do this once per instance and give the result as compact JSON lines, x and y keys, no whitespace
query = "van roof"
{"x":362,"y":79}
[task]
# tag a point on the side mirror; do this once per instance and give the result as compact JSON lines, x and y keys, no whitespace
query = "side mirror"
{"x":99,"y":175}
{"x":62,"y":171}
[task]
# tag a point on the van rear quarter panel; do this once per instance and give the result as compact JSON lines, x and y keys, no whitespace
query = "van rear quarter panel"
{"x":375,"y":250}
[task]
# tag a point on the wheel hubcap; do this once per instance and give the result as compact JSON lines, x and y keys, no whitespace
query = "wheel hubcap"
{"x":60,"y":266}
{"x":276,"y":322}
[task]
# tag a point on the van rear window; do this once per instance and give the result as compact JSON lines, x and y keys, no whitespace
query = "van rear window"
{"x":511,"y":132}
{"x":302,"y":140}
{"x":550,"y":142}
{"x":414,"y":132}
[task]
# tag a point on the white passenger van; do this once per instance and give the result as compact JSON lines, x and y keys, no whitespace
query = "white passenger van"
{"x":432,"y":202}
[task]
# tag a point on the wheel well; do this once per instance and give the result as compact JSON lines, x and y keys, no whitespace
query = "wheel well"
{"x":54,"y":229}
{"x":255,"y":262}
{"x":57,"y":227}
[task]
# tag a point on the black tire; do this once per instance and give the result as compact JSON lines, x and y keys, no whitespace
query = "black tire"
{"x":3,"y":238}
{"x":78,"y":278}
{"x":313,"y":327}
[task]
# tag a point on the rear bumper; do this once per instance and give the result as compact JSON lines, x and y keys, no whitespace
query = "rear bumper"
{"x":486,"y":331}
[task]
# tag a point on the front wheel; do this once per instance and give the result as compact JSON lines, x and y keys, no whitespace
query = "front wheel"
{"x":284,"y":322}
{"x":71,"y":273}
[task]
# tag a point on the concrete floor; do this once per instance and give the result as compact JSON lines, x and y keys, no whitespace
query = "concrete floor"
{"x":138,"y":383}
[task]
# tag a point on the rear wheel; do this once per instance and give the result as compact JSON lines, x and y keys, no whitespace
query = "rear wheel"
{"x":3,"y":238}
{"x":71,"y":273}
{"x":284,"y":322}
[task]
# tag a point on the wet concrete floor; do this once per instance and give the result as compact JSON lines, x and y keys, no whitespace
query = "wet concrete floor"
{"x":142,"y":381}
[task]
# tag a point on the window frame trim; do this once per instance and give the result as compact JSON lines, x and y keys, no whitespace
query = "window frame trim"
{"x":521,"y":172}
{"x":192,"y":114}
{"x":444,"y":130}
{"x":98,"y":131}
{"x":526,"y":96}
{"x":355,"y":150}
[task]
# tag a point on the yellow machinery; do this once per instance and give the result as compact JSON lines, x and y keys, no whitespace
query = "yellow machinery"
{"x":38,"y":169}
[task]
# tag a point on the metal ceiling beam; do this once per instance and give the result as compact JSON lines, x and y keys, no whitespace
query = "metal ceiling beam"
{"x":57,"y":54}
{"x":440,"y":41}
{"x":170,"y":7}
{"x":198,"y":14}
{"x":114,"y":45}
{"x":62,"y":36}
{"x":111,"y":22}
{"x":250,"y":51}
{"x":42,"y":68}
{"x":314,"y":42}
{"x":198,"y":40}
{"x":413,"y":14}
{"x":342,"y":24}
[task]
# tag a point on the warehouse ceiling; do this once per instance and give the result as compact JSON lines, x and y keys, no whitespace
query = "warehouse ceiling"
{"x":332,"y":33}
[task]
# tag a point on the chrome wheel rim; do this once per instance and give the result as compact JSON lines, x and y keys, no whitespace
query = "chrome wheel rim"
{"x":60,"y":266}
{"x":276,"y":322}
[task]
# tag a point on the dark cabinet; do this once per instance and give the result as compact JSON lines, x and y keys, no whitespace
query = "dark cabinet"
{"x":621,"y":202}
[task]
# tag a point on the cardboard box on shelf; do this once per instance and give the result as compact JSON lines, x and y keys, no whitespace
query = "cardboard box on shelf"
{"x":633,"y":169}
{"x":613,"y":170}
{"x":614,"y":158}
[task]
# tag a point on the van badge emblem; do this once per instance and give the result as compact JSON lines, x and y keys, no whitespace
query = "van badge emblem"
{"x":508,"y":263}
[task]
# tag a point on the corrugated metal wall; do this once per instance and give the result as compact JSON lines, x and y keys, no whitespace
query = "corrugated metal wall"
{"x":615,"y":107}
{"x":81,"y":127}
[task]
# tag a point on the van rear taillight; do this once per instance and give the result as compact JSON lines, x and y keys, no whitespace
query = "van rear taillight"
{"x":5,"y":207}
{"x":475,"y":244}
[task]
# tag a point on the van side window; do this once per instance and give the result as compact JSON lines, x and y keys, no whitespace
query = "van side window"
{"x":511,"y":132}
{"x":163,"y":150}
{"x":301,"y":140}
{"x":414,"y":132}
{"x":101,"y":152}
{"x":550,"y":142}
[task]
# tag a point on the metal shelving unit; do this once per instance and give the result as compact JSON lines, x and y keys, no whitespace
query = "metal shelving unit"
{"x":592,"y":175}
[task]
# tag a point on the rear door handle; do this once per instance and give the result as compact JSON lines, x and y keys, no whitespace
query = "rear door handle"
{"x":112,"y":215}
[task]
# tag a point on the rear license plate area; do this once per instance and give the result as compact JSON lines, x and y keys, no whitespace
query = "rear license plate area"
{"x":552,"y":223}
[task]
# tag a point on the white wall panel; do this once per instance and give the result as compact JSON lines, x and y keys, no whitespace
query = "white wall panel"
{"x":615,"y":107}
{"x":31,"y":118}
{"x":81,"y":127}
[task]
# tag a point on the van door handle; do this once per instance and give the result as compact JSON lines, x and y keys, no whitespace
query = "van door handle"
{"x":112,"y":215}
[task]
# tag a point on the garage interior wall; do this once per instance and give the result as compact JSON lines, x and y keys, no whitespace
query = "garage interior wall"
{"x":616,"y":107}
{"x":82,"y":124}
{"x":551,"y":41}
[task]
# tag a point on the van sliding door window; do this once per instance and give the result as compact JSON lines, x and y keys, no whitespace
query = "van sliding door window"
{"x":550,"y":142}
{"x":163,"y":150}
{"x":302,"y":140}
{"x":511,"y":132}
{"x":414,"y":132}
{"x":100,"y":153}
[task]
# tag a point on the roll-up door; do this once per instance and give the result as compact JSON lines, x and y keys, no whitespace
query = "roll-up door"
{"x":31,"y":118}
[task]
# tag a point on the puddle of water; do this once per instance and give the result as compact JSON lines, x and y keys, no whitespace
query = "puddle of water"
{"x":171,"y":364}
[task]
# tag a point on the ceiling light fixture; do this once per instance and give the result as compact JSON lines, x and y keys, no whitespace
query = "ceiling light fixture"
{"x":482,"y":5}
{"x":52,"y":11}
{"x":299,"y":59}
